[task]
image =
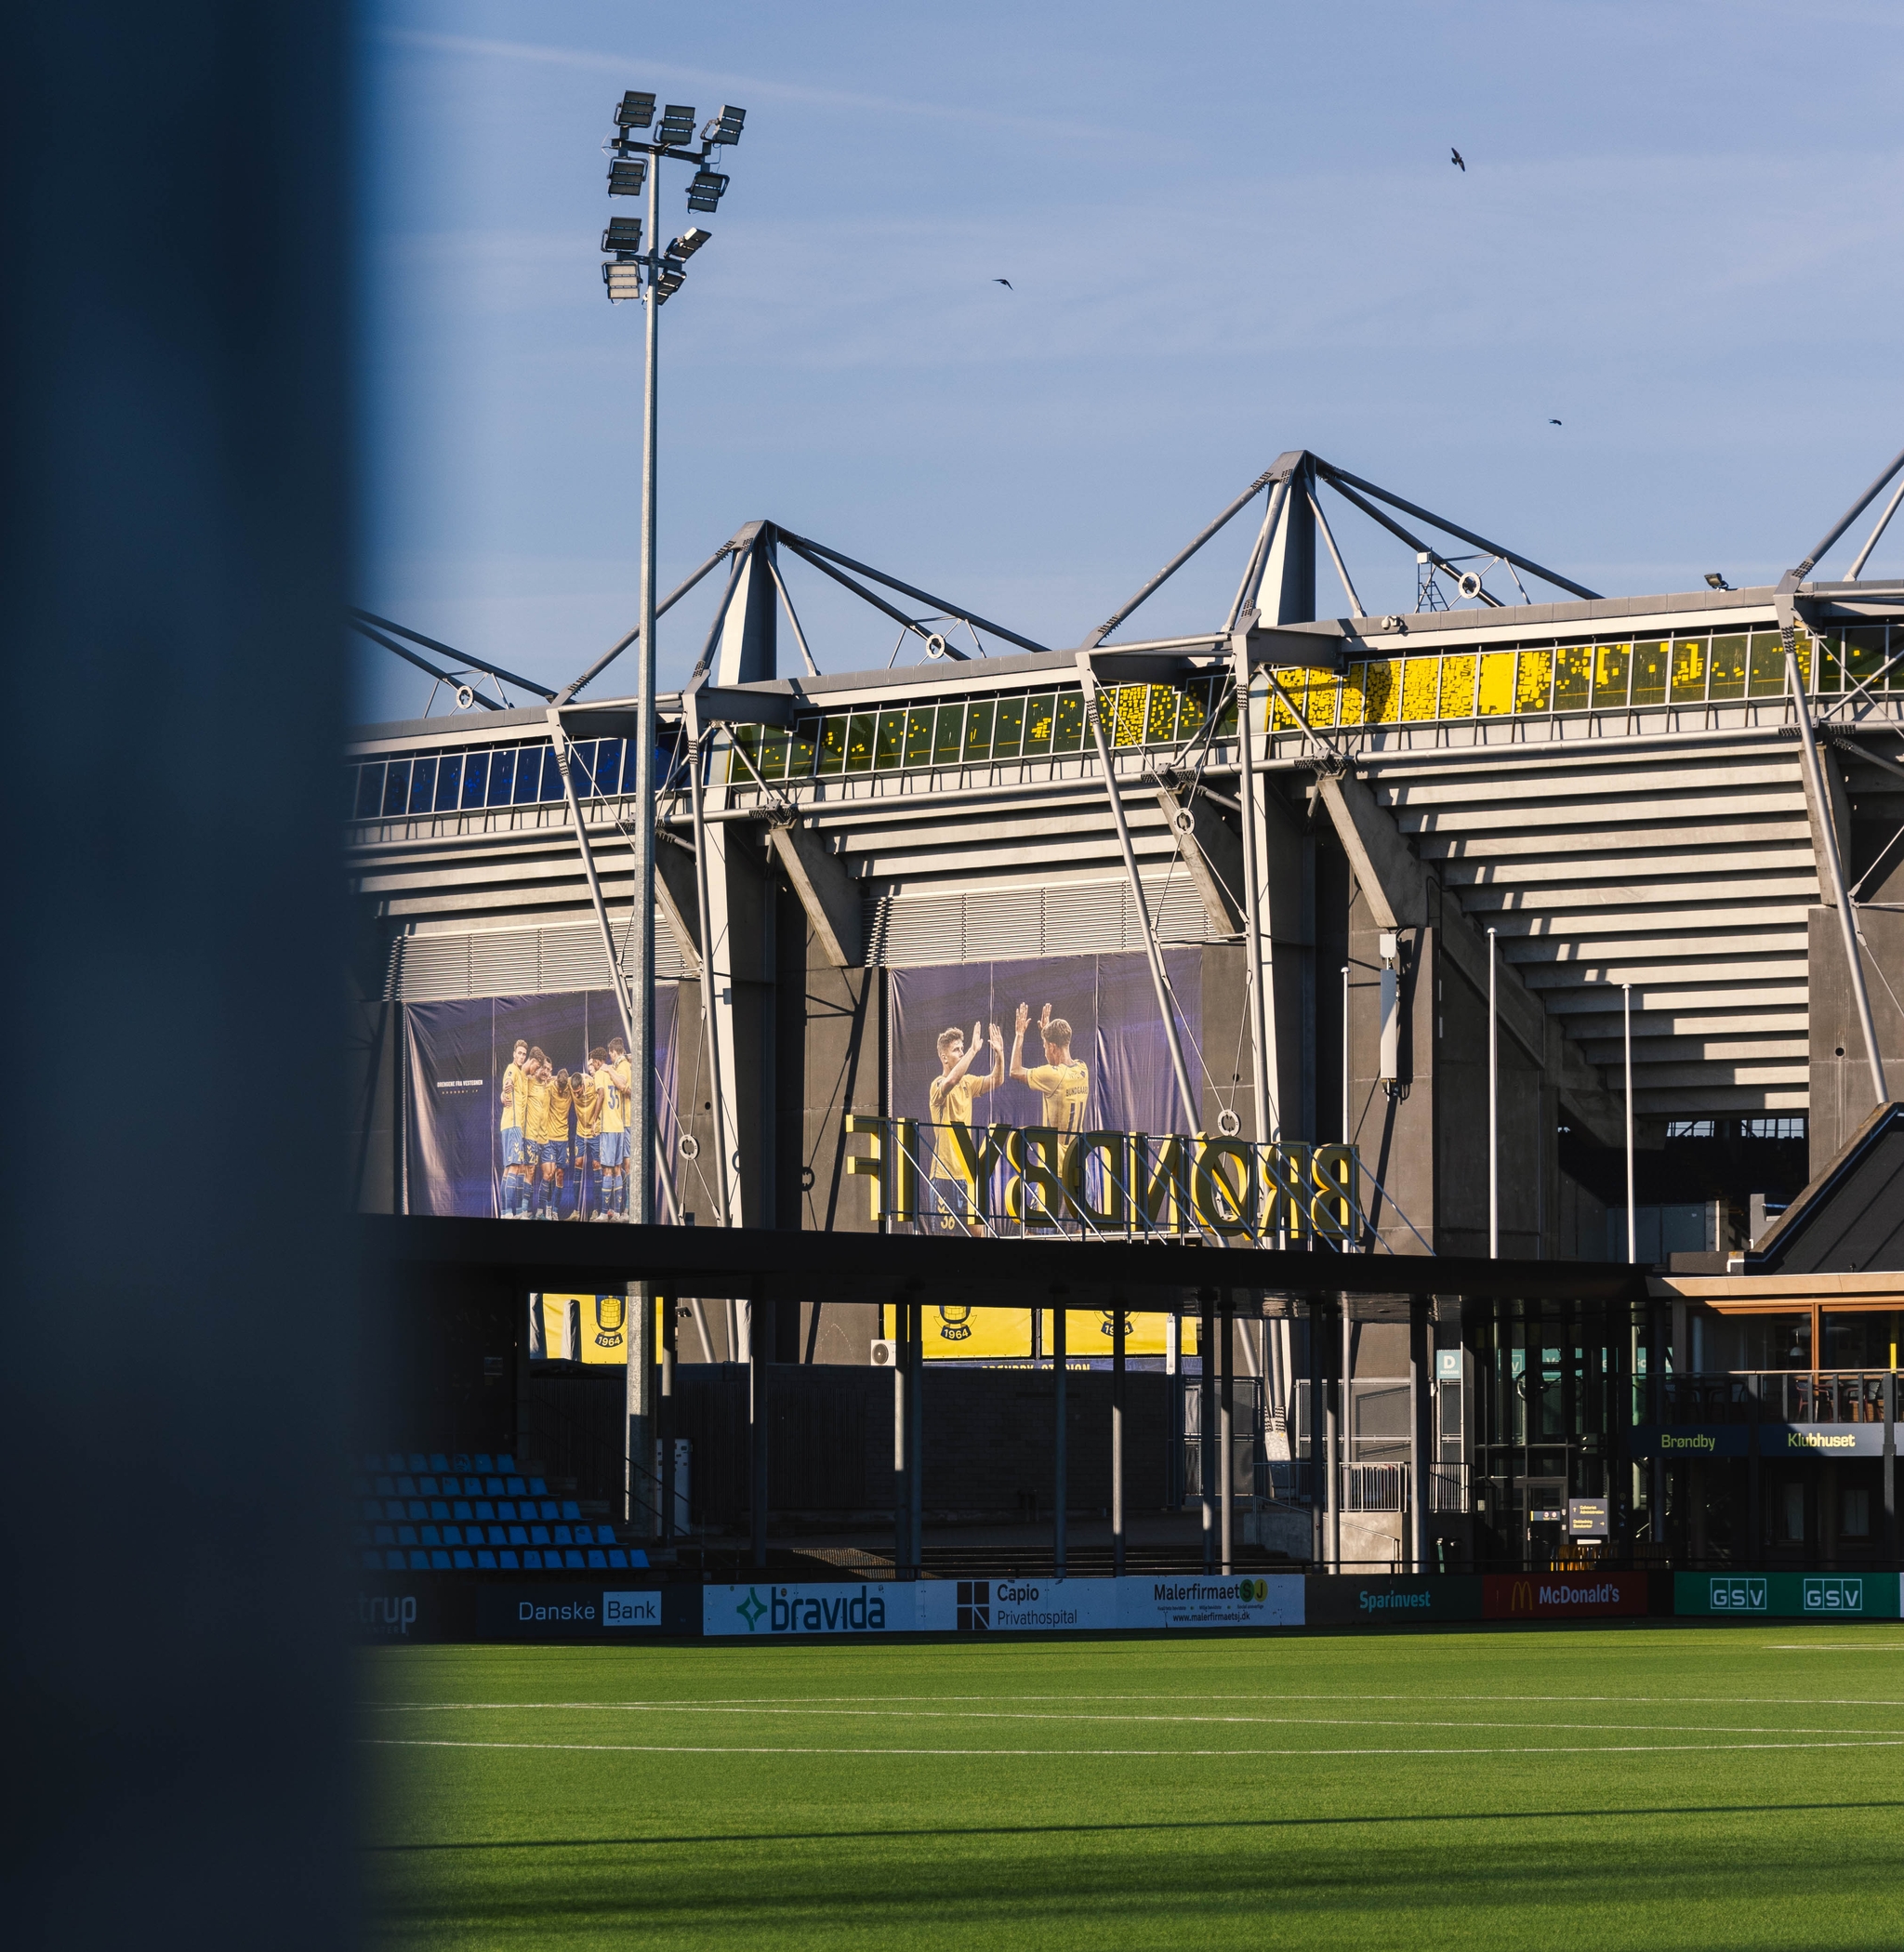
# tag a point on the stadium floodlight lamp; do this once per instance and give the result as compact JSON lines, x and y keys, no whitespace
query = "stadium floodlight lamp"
{"x":726,"y":126}
{"x":676,"y":126}
{"x":1716,"y":580}
{"x":622,"y":278}
{"x":635,"y":111}
{"x":623,"y":237}
{"x":688,"y":243}
{"x":706,"y":191}
{"x":625,"y":179}
{"x":668,"y":279}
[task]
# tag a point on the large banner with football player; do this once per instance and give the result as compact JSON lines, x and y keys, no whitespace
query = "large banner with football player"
{"x":518,"y":1105}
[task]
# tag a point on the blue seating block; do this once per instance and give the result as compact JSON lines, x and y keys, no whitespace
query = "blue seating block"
{"x":419,"y":1562}
{"x":385,"y":1488}
{"x":439,"y":1562}
{"x":561,"y":1536}
{"x":638,"y":1559}
{"x":616,"y":1557}
{"x":460,"y":1461}
{"x":508,"y":1561}
{"x":597,"y":1558}
{"x":406,"y":1535}
{"x":464,"y":1563}
{"x":393,"y":1461}
{"x":492,"y":1487}
{"x":438,"y":1461}
{"x":394,"y":1560}
{"x":418,"y":1508}
{"x":533,"y":1558}
{"x":439,"y":1508}
{"x":453,"y":1535}
{"x":518,"y":1535}
{"x":486,"y":1560}
{"x":418,"y":1461}
{"x":480,"y":1461}
{"x":373,"y":1562}
{"x":515,"y":1487}
{"x":484,"y":1509}
{"x":572,"y":1559}
{"x":605,"y":1534}
{"x":406,"y":1487}
{"x":538,"y":1489}
{"x":426,"y":1487}
{"x":385,"y":1535}
{"x":461,"y":1508}
{"x":539,"y":1535}
{"x":505,"y":1463}
{"x":569,"y":1509}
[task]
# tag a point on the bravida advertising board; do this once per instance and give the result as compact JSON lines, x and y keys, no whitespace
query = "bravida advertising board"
{"x":1014,"y":1605}
{"x":1806,"y":1596}
{"x":1563,"y":1596}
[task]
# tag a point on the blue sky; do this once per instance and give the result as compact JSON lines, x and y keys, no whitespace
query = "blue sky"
{"x":1231,"y":229}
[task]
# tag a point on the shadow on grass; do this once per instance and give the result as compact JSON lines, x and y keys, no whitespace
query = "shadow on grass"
{"x":1088,"y":1829}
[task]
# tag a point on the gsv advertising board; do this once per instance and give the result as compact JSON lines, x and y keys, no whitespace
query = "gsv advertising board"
{"x":1807,"y":1596}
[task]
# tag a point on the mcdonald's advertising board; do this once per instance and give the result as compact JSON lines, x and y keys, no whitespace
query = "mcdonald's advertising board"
{"x":1563,"y":1596}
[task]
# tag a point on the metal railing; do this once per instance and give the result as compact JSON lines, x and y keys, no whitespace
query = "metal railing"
{"x":1773,"y":1396}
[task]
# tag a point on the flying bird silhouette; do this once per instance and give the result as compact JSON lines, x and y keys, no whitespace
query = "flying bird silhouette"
{"x":1006,"y":282}
{"x":1553,"y":422}
{"x":1454,"y":156}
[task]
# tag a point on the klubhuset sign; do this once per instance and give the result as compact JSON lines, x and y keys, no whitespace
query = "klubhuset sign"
{"x":1774,"y":1440}
{"x":1103,"y":1181}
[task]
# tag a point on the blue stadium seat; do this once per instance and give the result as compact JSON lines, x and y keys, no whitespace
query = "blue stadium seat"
{"x":539,"y":1535}
{"x":439,"y":1508}
{"x":515,"y":1487}
{"x":464,"y":1563}
{"x":508,"y":1561}
{"x":453,"y":1535}
{"x":638,"y":1559}
{"x":386,"y":1488}
{"x":486,"y":1561}
{"x":533,"y":1558}
{"x":484,"y":1509}
{"x":605,"y":1534}
{"x":438,"y":1461}
{"x":497,"y":1536}
{"x":561,"y":1536}
{"x":461,"y":1510}
{"x":373,"y":1562}
{"x":492,"y":1487}
{"x":549,"y":1511}
{"x":504,"y":1509}
{"x":360,"y":1488}
{"x":394,"y":1560}
{"x":460,"y":1460}
{"x":406,"y":1487}
{"x":418,"y":1461}
{"x":505,"y":1463}
{"x":384,"y":1535}
{"x":393,"y":1461}
{"x":370,"y":1507}
{"x":569,"y":1508}
{"x":406,"y":1535}
{"x":538,"y":1489}
{"x":360,"y":1535}
{"x":426,"y":1487}
{"x":419,"y":1562}
{"x":429,"y":1538}
{"x":596,"y":1558}
{"x":616,"y":1557}
{"x":439,"y":1562}
{"x":518,"y":1535}
{"x":395,"y":1508}
{"x":572,"y":1559}
{"x":418,"y":1508}
{"x":480,"y":1461}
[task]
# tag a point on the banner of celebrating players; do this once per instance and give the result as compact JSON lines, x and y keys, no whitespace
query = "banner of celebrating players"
{"x":518,"y":1105}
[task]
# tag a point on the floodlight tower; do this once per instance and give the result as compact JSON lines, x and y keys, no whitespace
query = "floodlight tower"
{"x":653,"y":276}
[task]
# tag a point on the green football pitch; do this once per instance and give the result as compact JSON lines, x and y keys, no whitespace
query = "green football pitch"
{"x":1654,"y":1786}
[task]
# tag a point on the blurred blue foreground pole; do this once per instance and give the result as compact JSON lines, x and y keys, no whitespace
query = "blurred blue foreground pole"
{"x":175,"y":423}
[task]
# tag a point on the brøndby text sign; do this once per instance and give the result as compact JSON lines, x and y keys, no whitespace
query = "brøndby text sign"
{"x":1102,"y":1182}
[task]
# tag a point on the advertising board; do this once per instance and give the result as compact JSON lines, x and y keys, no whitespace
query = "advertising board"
{"x":1803,"y":1596}
{"x":1014,"y":1605}
{"x":1563,"y":1596}
{"x":1391,"y":1601}
{"x":531,"y":1610}
{"x":1774,"y":1440}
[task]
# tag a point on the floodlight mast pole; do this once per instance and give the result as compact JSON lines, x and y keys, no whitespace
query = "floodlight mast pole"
{"x":641,"y":1113}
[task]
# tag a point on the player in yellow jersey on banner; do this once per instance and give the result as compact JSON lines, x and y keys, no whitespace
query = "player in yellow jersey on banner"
{"x":622,"y":1069}
{"x":585,"y":1089}
{"x":516,"y":1166}
{"x":948,"y":1103}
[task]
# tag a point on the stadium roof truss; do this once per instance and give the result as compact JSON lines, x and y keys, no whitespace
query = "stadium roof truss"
{"x":1624,"y":789}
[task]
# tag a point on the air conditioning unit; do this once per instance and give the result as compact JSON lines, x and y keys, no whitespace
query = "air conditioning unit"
{"x":885,"y":1355}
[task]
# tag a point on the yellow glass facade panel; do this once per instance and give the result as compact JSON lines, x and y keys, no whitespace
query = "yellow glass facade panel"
{"x":1458,"y":686}
{"x":1612,"y":672}
{"x":1382,"y":694}
{"x":1354,"y":701}
{"x":1294,"y":681}
{"x":1420,"y":688}
{"x":1192,"y":709}
{"x":1494,"y":695}
{"x":1765,"y":667}
{"x":1320,"y":705}
{"x":1573,"y":677}
{"x":1728,"y":667}
{"x":1160,"y":714}
{"x":1690,"y":666}
{"x":1650,"y":664}
{"x":1127,"y":715}
{"x":1533,"y":681}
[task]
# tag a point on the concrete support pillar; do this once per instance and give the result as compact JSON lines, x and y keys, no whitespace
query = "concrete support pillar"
{"x":1421,"y":1433}
{"x":916,"y":1436}
{"x":1205,"y":1397}
{"x":759,"y":1368}
{"x":665,"y":1415}
{"x":1060,"y":1499}
{"x":1226,"y":1433}
{"x":639,"y":1338}
{"x":1117,"y":1330}
{"x":901,"y":1443}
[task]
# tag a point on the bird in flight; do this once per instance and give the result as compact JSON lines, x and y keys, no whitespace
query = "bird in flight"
{"x":1454,"y":156}
{"x":1552,"y":422}
{"x":1006,"y":282}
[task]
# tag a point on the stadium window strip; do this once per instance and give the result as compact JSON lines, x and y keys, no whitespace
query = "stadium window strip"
{"x":464,"y":778}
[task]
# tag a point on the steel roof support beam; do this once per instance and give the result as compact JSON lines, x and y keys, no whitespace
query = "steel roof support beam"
{"x":809,"y":549}
{"x":867,"y":596}
{"x":1871,"y":541}
{"x":1338,"y":476}
{"x":799,"y":636}
{"x":1248,"y":589}
{"x":1858,"y":507}
{"x":723,"y":1169}
{"x":1822,"y":822}
{"x":661,"y":610}
{"x":1335,"y":555}
{"x":422,"y":663}
{"x":1258,"y":955}
{"x":429,"y":644}
{"x":831,"y":900}
{"x":1414,"y":542}
{"x":1178,"y":561}
{"x":1160,"y":978}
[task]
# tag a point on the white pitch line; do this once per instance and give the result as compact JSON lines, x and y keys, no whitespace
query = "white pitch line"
{"x":683,"y":1748}
{"x":1857,"y":1701}
{"x":918,"y":1714}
